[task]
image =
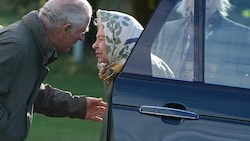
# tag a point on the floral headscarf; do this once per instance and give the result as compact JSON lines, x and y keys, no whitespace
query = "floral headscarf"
{"x":121,"y":33}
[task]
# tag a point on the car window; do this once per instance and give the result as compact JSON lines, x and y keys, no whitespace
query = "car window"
{"x":226,"y":46}
{"x":227,"y":49}
{"x":174,"y":44}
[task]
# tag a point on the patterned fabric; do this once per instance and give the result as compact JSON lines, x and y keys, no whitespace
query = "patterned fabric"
{"x":121,"y":33}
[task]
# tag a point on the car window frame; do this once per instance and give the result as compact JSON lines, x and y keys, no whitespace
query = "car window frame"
{"x":199,"y":36}
{"x":139,"y":62}
{"x":142,"y":65}
{"x":141,"y":52}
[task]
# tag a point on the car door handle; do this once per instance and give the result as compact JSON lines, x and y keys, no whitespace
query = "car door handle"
{"x":168,"y":112}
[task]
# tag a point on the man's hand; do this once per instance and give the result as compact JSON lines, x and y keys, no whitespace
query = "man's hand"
{"x":95,"y":109}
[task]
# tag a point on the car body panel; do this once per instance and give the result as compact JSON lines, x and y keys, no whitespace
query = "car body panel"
{"x":221,"y":112}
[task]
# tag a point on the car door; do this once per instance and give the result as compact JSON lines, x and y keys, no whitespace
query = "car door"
{"x":211,"y":106}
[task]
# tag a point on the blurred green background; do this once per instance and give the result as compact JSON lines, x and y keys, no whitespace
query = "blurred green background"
{"x":80,"y":76}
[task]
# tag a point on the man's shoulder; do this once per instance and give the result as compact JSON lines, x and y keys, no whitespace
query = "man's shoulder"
{"x":234,"y":25}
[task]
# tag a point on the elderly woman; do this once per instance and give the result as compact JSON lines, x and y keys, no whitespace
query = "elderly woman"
{"x":116,"y":36}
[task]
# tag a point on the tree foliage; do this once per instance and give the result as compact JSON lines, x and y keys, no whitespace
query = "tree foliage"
{"x":143,"y":9}
{"x":240,"y":11}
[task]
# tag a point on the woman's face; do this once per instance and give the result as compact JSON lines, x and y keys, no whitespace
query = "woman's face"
{"x":100,"y":46}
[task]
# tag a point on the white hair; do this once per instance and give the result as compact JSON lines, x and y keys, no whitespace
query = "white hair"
{"x":59,"y":12}
{"x":183,"y":8}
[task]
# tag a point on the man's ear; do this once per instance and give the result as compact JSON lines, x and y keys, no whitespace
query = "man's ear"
{"x":66,"y":29}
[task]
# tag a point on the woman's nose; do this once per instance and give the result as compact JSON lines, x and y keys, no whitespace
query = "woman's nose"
{"x":94,"y":45}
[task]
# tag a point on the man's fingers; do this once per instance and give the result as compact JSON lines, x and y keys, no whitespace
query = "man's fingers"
{"x":102,"y":103}
{"x":97,"y":119}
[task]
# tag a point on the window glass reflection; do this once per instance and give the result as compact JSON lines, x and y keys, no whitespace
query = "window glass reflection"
{"x":175,"y":42}
{"x":227,"y":46}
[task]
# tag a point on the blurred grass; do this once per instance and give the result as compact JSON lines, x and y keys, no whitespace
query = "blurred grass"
{"x":79,"y":78}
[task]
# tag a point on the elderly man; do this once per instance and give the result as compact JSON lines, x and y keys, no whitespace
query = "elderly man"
{"x":26,"y":48}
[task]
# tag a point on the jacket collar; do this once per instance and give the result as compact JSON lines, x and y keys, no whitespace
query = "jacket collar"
{"x":32,"y":22}
{"x":214,"y":21}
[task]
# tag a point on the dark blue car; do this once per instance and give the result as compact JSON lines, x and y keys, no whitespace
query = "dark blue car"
{"x":208,"y":98}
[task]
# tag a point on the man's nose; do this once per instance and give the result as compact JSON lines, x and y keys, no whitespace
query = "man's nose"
{"x":82,"y":36}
